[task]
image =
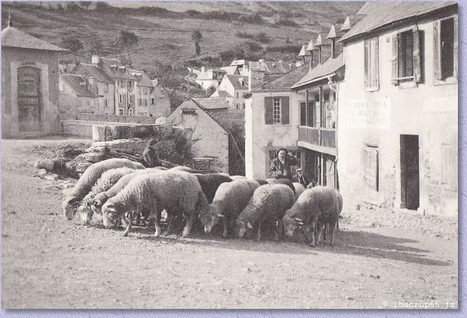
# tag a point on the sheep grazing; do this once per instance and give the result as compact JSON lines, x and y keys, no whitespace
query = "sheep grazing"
{"x":88,"y":179}
{"x":156,"y":192}
{"x":313,"y":204}
{"x":230,"y":199}
{"x":105,"y":182}
{"x":268,"y":203}
{"x":102,"y":197}
{"x":285,"y":181}
{"x":299,"y":188}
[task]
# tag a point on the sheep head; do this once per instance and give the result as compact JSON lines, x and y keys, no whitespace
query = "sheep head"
{"x":70,"y":206}
{"x":291,"y":224}
{"x":110,"y":214}
{"x":243,"y":227}
{"x":210,"y":218}
{"x":85,"y":213}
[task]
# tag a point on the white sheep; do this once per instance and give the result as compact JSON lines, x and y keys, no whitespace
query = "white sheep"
{"x":268,"y":203}
{"x":315,"y":203}
{"x":299,"y":188}
{"x":88,"y":179}
{"x":157,"y":191}
{"x":105,"y":182}
{"x":230,"y":199}
{"x":102,"y":197}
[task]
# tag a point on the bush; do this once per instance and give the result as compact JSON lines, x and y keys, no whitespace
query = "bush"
{"x":252,"y":19}
{"x":287,"y":23}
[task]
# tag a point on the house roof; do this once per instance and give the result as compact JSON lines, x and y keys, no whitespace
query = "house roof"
{"x":76,"y":83}
{"x":393,"y":12}
{"x":115,"y":72}
{"x":237,"y":81}
{"x":143,"y":78}
{"x":97,"y":73}
{"x":212,"y":102}
{"x":230,"y":70}
{"x":271,"y":67}
{"x":12,"y":37}
{"x":221,"y":93}
{"x":321,"y":70}
{"x":284,"y":82}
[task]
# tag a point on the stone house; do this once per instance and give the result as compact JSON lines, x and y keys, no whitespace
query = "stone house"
{"x":398,"y":108}
{"x":30,"y":79}
{"x":77,"y":96}
{"x":232,"y":87}
{"x":212,"y":145}
{"x":271,"y":122}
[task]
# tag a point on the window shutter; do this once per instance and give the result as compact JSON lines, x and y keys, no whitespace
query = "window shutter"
{"x":375,"y":75}
{"x":366,"y":61}
{"x":436,"y":51}
{"x":456,"y":46}
{"x":285,"y":110}
{"x":268,"y":107}
{"x":417,"y":67}
{"x":395,"y":64}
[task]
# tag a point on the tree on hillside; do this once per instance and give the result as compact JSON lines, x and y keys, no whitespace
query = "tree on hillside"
{"x":172,"y":81}
{"x":73,"y":44}
{"x":126,"y":41}
{"x":94,"y":45}
{"x":197,"y":37}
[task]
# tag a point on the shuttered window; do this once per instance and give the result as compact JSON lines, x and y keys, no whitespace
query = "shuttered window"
{"x":372,"y":64}
{"x":445,"y":55}
{"x":407,"y":53}
{"x":277,"y":110}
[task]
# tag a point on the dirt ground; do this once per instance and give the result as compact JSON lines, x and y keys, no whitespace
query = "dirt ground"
{"x":380,"y":259}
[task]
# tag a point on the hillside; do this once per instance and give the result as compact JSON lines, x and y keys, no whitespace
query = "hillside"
{"x":164,"y":28}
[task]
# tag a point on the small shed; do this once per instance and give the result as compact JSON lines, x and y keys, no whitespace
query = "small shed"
{"x":30,"y":85}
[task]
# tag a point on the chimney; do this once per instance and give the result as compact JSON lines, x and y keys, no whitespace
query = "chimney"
{"x":10,"y":24}
{"x":96,"y":60}
{"x":203,"y":69}
{"x":303,"y":54}
{"x":332,"y":36}
{"x":310,"y":48}
{"x":346,"y":26}
{"x":319,"y":43}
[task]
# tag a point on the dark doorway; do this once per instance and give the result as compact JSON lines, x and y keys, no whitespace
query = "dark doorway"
{"x":29,"y":99}
{"x":410,"y":172}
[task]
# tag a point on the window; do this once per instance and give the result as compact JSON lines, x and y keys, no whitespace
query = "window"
{"x":243,"y":105}
{"x":372,"y":64}
{"x":153,"y":101}
{"x":371,"y":166}
{"x":122,"y":84}
{"x":307,"y":114}
{"x":130,"y":112}
{"x":106,"y":103}
{"x":120,"y":98}
{"x":106,"y":88}
{"x":145,"y":102}
{"x":120,"y":111}
{"x":445,"y":49}
{"x":140,"y":102}
{"x":277,"y":110}
{"x":407,"y":54}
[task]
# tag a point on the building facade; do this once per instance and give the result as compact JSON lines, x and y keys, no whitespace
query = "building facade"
{"x":398,"y":109}
{"x":30,"y":80}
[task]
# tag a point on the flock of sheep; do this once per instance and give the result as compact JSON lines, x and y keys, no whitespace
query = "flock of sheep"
{"x":122,"y":191}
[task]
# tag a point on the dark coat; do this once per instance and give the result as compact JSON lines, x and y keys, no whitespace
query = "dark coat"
{"x":279,"y":170}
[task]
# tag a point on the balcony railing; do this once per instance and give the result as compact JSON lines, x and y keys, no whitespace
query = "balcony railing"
{"x":325,"y":137}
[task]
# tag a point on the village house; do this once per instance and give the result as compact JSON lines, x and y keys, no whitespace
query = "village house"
{"x":398,"y":108}
{"x":121,"y":90}
{"x":232,"y":88}
{"x":30,"y":77}
{"x":317,"y":137}
{"x":271,"y":122}
{"x":77,"y":96}
{"x":210,"y":120}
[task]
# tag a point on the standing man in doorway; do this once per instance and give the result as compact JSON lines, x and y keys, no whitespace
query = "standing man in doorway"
{"x":281,"y":166}
{"x":301,"y":178}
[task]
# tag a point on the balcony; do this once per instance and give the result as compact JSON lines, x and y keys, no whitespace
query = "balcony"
{"x":317,"y":138}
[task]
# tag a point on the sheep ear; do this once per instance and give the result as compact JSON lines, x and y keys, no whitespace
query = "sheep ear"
{"x":73,"y":200}
{"x":298,"y":220}
{"x":249,"y":225}
{"x":220,"y":215}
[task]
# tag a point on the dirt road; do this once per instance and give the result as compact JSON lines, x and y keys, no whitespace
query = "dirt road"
{"x":380,"y":259}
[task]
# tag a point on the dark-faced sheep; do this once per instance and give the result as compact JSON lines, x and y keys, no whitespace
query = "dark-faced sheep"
{"x":88,"y":179}
{"x":268,"y":204}
{"x":230,"y":199}
{"x":158,"y":191}
{"x":324,"y":202}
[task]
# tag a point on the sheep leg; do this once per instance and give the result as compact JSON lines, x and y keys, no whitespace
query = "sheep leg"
{"x":313,"y":231}
{"x":258,"y":237}
{"x":130,"y":221}
{"x":278,"y":233}
{"x":189,"y":224}
{"x":332,"y":225}
{"x":156,"y":222}
{"x":225,"y":223}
